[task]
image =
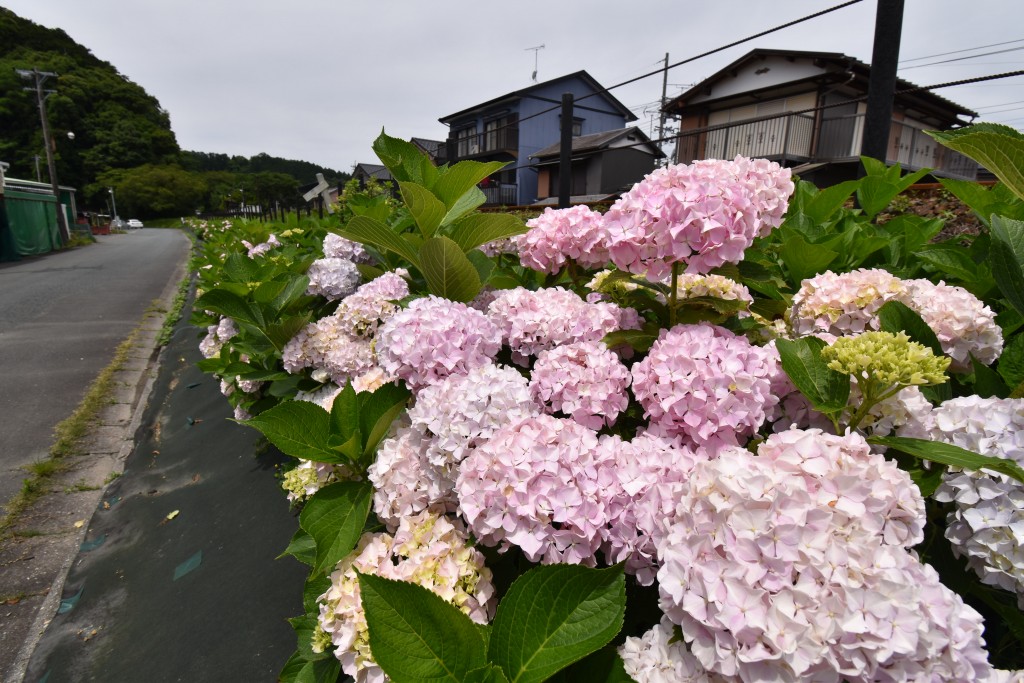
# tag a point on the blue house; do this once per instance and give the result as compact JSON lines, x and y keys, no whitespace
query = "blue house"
{"x":512,"y":128}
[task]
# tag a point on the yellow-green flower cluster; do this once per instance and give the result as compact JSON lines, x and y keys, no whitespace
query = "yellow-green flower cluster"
{"x":886,"y":358}
{"x":321,"y":640}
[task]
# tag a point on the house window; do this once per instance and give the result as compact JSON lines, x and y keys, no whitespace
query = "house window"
{"x":577,"y":127}
{"x":500,"y":133}
{"x":466,"y":142}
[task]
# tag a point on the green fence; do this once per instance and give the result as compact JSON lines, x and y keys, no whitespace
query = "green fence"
{"x":28,"y":224}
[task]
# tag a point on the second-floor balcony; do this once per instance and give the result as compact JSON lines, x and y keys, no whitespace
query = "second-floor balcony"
{"x":793,"y":139}
{"x":469,"y":144}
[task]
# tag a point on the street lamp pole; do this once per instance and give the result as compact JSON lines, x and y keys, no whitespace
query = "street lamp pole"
{"x":40,"y":77}
{"x":114,"y":203}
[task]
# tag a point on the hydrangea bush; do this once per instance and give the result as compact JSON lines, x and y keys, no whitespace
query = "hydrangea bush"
{"x":785,"y":475}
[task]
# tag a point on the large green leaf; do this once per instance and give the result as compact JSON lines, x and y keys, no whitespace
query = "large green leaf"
{"x":300,"y":429}
{"x":463,"y":177}
{"x":603,"y":666}
{"x":948,"y":454}
{"x":1007,"y":272}
{"x":378,"y":410}
{"x":294,"y":289}
{"x":553,"y":616}
{"x":488,"y":674}
{"x":803,"y":259}
{"x":826,"y":202}
{"x":302,"y":547}
{"x":1011,"y":361}
{"x":304,"y":627}
{"x":466,"y":203}
{"x":998,"y":148}
{"x":481,"y":228}
{"x":240,"y":268}
{"x":345,"y":413}
{"x":280,"y":333}
{"x":448,"y":272}
{"x":369,"y":231}
{"x":231,"y":305}
{"x":403,"y":159}
{"x":416,"y":636}
{"x":827,"y":390}
{"x":1011,"y":232}
{"x":320,"y":671}
{"x":987,"y":382}
{"x":334,"y":516}
{"x":425,"y":208}
{"x":896,"y":317}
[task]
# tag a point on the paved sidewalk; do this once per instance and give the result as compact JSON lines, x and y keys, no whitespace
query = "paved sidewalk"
{"x":176,"y":578}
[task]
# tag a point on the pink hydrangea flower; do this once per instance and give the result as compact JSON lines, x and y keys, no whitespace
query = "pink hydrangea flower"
{"x":702,"y":215}
{"x":261,"y":248}
{"x":844,"y":303}
{"x":463,"y":411}
{"x":336,"y":246}
{"x":332,"y":278}
{"x":640,"y":481}
{"x":558,"y":235}
{"x":529,"y":486}
{"x":373,"y":303}
{"x":534,"y":321}
{"x":405,"y":483}
{"x":963,"y":324}
{"x":434,"y":338}
{"x":216,"y":336}
{"x":583,"y":380}
{"x":793,"y":565}
{"x":706,"y":384}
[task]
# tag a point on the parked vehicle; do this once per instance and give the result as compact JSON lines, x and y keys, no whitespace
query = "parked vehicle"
{"x":134,"y":223}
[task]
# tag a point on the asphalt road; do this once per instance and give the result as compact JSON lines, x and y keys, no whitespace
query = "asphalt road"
{"x":62,"y":316}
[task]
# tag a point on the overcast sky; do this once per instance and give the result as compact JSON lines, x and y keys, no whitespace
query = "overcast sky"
{"x":318,"y":79}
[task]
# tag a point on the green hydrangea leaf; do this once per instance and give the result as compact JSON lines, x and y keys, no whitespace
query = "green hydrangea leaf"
{"x":827,"y":390}
{"x":553,"y":616}
{"x":947,"y":454}
{"x":416,"y":636}
{"x":334,"y":516}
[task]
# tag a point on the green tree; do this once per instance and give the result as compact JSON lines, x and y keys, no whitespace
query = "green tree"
{"x":151,"y":191}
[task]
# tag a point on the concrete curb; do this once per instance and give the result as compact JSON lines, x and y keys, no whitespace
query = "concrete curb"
{"x":109,"y":444}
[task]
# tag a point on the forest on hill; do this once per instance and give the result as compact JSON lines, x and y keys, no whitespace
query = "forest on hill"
{"x":123,"y":138}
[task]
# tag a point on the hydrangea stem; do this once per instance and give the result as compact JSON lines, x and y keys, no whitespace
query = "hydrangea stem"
{"x":673,"y":295}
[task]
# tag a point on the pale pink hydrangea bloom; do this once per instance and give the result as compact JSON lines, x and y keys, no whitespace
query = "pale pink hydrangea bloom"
{"x":963,"y":324}
{"x":844,"y":303}
{"x":323,"y":397}
{"x":332,"y":278}
{"x":529,"y":486}
{"x":693,"y":285}
{"x":584,"y":380}
{"x":987,"y":524}
{"x":793,"y":565}
{"x":405,"y":483}
{"x":434,"y":338}
{"x":558,"y":235}
{"x":328,"y":345}
{"x":463,"y":411}
{"x":261,"y":248}
{"x":705,"y":383}
{"x":336,"y":246}
{"x":216,"y":336}
{"x":534,"y":321}
{"x":660,"y":656}
{"x":373,"y":303}
{"x":701,"y":216}
{"x":241,"y":413}
{"x":640,"y":482}
{"x":426,"y":549}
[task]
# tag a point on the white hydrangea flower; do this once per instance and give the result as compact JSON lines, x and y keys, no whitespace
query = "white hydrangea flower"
{"x":987,"y":524}
{"x":963,"y":324}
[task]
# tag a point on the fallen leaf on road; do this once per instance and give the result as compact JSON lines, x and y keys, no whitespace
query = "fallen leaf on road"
{"x":172,"y":515}
{"x":79,"y":524}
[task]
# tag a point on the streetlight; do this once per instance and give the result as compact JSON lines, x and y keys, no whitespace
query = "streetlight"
{"x":117,"y":221}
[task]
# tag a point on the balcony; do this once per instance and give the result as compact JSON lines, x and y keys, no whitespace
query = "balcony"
{"x":501,"y":195}
{"x":791,"y":138}
{"x":500,"y":141}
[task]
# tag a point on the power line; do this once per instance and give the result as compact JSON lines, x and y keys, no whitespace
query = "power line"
{"x":956,"y":52}
{"x":960,"y":59}
{"x":685,"y":61}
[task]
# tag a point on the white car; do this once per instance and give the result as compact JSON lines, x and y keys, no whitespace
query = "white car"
{"x":134,"y":223}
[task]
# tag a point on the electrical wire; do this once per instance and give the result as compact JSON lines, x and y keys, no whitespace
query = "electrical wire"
{"x":960,"y":59}
{"x":956,"y":52}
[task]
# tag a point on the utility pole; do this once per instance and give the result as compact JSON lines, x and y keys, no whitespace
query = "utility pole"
{"x":41,"y":95}
{"x":565,"y":154}
{"x":882,"y":84}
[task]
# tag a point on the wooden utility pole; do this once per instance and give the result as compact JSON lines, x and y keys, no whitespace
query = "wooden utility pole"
{"x":882,"y":84}
{"x":41,"y":95}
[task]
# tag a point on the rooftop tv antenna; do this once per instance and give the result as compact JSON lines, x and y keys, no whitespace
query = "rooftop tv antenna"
{"x":535,"y":51}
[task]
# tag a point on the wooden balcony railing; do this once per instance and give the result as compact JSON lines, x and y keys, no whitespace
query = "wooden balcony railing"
{"x":791,"y":138}
{"x":503,"y":140}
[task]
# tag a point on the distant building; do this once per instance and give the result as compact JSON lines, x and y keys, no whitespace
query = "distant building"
{"x":512,"y":128}
{"x":603,"y":165}
{"x":755,"y":107}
